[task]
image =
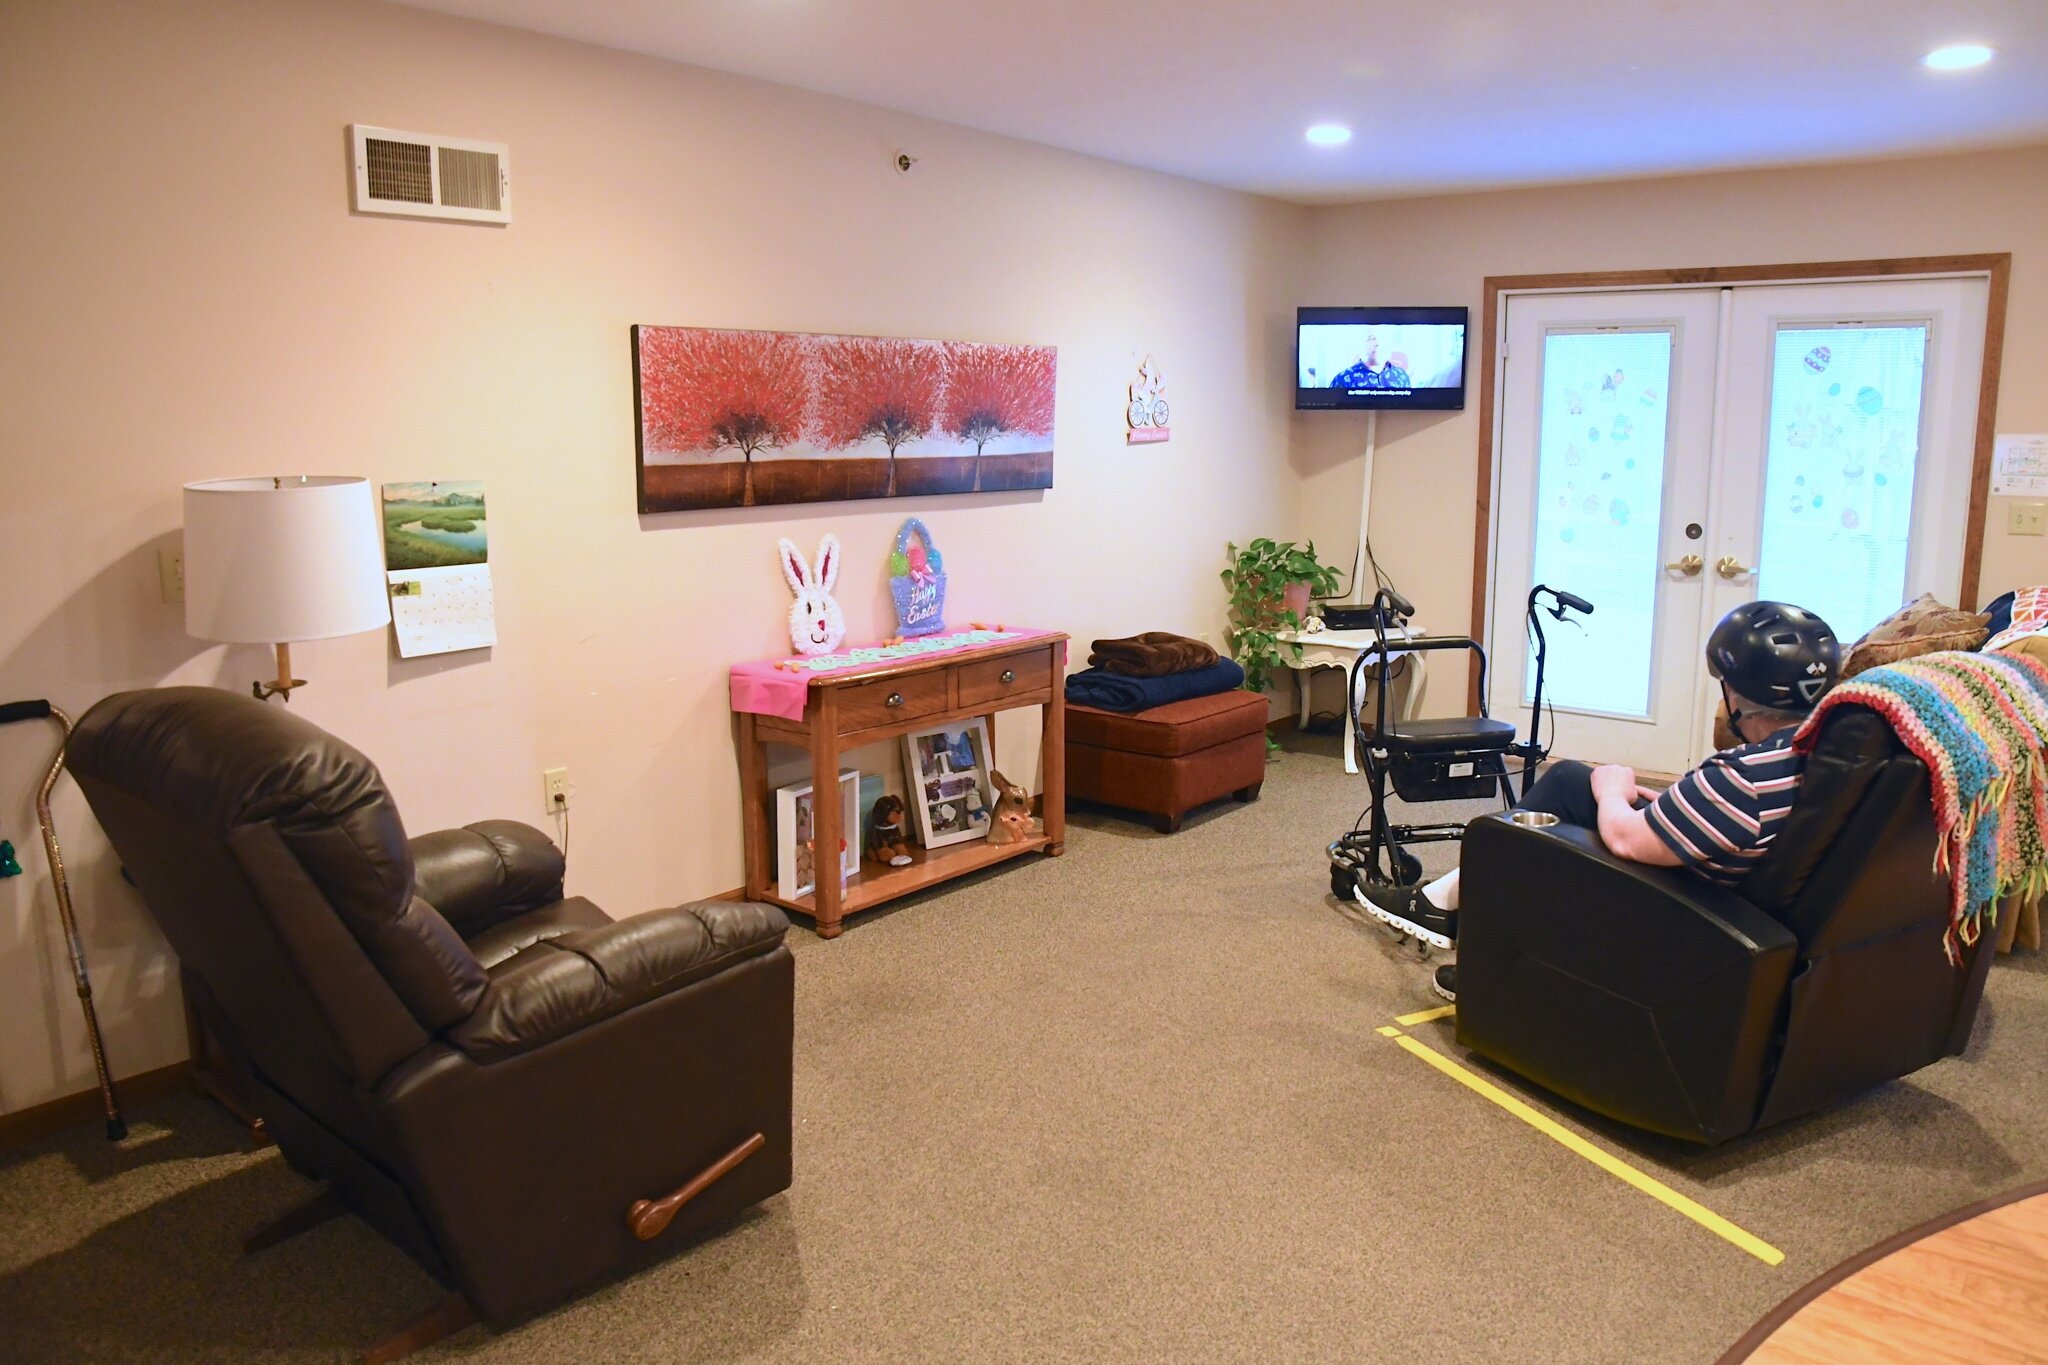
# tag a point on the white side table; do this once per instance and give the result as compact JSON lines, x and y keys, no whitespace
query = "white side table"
{"x":1340,"y":649}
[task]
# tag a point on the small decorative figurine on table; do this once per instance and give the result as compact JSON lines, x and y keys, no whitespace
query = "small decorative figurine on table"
{"x":815,"y":623}
{"x":1012,"y":823}
{"x":917,"y":582}
{"x":888,"y":833}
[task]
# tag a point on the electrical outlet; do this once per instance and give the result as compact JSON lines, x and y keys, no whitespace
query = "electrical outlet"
{"x":554,"y":787}
{"x":2027,"y":519}
{"x":170,"y":573}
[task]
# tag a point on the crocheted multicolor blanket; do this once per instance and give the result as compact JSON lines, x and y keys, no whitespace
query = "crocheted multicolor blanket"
{"x":1980,"y":724}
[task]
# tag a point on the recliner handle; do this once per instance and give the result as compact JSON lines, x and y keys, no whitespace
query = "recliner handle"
{"x":649,"y":1218}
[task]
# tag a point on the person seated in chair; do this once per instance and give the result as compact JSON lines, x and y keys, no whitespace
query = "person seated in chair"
{"x":1774,"y":661}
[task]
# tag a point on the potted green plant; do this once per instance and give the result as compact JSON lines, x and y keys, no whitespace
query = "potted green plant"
{"x":1271,"y":583}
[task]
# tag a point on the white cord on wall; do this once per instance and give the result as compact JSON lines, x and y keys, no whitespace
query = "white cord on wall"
{"x":1359,"y":561}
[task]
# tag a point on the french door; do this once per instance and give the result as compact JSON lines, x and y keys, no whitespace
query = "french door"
{"x":1671,"y":454}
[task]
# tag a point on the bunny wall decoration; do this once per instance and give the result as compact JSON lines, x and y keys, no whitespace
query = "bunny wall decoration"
{"x":815,"y":625}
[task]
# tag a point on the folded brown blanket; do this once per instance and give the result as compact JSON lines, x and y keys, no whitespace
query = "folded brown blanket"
{"x":1154,"y":654}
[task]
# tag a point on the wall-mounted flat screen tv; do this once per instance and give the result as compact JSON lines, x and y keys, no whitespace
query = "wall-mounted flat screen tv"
{"x":1379,"y":358}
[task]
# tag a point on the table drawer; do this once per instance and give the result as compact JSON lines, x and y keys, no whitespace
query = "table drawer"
{"x":991,"y":680}
{"x":887,"y":700}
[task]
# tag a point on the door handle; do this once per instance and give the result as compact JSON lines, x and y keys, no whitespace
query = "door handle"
{"x":1689,"y":566}
{"x":1728,"y":566}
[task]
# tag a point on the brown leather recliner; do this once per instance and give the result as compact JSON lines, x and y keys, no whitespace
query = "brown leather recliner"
{"x":505,"y":1082}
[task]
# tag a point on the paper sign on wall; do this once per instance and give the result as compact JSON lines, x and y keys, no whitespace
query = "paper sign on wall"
{"x":437,"y":561}
{"x":2019,"y":466}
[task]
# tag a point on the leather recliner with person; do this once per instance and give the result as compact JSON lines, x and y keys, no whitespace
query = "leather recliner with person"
{"x":1768,"y":937}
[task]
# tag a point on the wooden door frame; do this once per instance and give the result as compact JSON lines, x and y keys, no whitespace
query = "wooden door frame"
{"x":1997,"y":265}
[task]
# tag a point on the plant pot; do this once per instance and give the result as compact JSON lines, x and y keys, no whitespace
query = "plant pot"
{"x":1296,"y":599}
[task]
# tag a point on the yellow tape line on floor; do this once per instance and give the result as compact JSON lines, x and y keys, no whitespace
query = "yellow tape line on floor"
{"x":1424,"y":1016}
{"x":1613,"y":1165}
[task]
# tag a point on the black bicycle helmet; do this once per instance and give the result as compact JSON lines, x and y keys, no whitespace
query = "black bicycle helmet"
{"x":1776,"y":655}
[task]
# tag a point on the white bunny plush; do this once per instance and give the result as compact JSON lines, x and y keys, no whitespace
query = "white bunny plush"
{"x":815,"y":625}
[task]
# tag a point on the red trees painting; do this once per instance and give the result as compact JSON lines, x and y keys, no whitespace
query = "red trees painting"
{"x":992,"y":391}
{"x":712,"y":390}
{"x":736,"y":418}
{"x":877,"y":387}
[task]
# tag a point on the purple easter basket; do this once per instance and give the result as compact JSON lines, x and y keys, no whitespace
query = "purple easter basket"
{"x":917,"y":580}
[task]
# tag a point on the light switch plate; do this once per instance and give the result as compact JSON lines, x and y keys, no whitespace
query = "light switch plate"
{"x":170,"y":574}
{"x":2027,"y":519}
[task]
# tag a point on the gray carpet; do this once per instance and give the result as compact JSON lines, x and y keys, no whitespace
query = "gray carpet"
{"x":1125,"y":1105}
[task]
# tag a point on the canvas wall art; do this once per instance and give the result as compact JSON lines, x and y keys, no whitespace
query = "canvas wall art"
{"x":740,"y":419}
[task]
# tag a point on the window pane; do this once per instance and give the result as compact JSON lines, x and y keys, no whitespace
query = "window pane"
{"x":1599,"y":506}
{"x":1838,"y":487}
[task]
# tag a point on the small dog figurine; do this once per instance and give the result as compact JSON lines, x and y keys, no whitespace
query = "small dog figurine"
{"x":888,"y":838}
{"x":1012,"y":823}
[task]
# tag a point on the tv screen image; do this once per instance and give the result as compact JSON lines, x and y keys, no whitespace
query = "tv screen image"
{"x":1380,"y":358}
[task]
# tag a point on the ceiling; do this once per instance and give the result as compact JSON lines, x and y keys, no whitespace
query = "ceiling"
{"x":1443,"y":94}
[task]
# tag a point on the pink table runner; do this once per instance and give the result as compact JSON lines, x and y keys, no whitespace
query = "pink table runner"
{"x":779,"y":687}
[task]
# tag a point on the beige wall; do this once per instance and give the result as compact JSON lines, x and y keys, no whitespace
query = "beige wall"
{"x":1437,"y":251}
{"x":187,"y":296}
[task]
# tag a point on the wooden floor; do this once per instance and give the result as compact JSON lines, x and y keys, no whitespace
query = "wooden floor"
{"x":1974,"y":1292}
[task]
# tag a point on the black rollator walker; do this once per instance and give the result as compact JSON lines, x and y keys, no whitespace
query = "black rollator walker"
{"x":1454,"y":758}
{"x":117,"y":1127}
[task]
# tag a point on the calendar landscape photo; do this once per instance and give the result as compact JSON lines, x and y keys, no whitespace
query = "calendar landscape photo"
{"x":435,"y":525}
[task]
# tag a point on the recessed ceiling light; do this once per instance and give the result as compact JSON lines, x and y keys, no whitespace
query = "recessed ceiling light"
{"x":1960,"y":57}
{"x":1328,"y":134}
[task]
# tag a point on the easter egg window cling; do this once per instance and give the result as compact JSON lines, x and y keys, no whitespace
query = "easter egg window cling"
{"x":1834,"y":537}
{"x":1603,"y":434}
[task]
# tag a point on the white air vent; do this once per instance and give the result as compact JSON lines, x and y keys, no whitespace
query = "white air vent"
{"x":420,"y":175}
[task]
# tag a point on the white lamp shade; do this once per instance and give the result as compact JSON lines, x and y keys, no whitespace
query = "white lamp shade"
{"x":273,"y":560}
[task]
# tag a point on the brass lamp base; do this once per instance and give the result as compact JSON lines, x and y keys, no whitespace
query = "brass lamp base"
{"x":264,"y":691}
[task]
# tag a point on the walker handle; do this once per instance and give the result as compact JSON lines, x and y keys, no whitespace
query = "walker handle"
{"x":13,"y":711}
{"x":1573,"y":600}
{"x":1401,"y":605}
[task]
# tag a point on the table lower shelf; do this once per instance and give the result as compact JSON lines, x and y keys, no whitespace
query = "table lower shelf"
{"x":877,"y":884}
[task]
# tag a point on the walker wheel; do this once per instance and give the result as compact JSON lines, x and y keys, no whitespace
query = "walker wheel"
{"x":1407,"y":868}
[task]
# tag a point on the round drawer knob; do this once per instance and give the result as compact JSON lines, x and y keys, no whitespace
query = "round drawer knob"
{"x":895,"y":699}
{"x":1009,"y":675}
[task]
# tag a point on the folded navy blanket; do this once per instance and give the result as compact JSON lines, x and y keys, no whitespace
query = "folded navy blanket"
{"x":1108,"y":691}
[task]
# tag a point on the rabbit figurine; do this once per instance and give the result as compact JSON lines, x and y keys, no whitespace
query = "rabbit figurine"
{"x":1012,"y":823}
{"x":815,"y":624}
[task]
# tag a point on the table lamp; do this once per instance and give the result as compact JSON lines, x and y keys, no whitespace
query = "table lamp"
{"x":273,"y":560}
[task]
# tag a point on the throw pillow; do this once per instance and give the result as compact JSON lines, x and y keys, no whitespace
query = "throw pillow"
{"x":1924,"y":626}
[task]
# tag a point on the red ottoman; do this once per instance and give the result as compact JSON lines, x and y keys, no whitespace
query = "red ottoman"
{"x":1170,"y":759}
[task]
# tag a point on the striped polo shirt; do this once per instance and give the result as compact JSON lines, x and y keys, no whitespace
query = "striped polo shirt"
{"x":1720,"y":817}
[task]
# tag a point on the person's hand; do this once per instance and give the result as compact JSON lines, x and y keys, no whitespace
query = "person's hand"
{"x":1614,"y":782}
{"x":1647,"y":793}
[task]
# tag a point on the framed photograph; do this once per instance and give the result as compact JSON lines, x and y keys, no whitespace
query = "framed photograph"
{"x":945,"y":771}
{"x":795,"y":836}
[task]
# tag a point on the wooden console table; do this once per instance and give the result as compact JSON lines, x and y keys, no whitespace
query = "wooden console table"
{"x":847,"y":709}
